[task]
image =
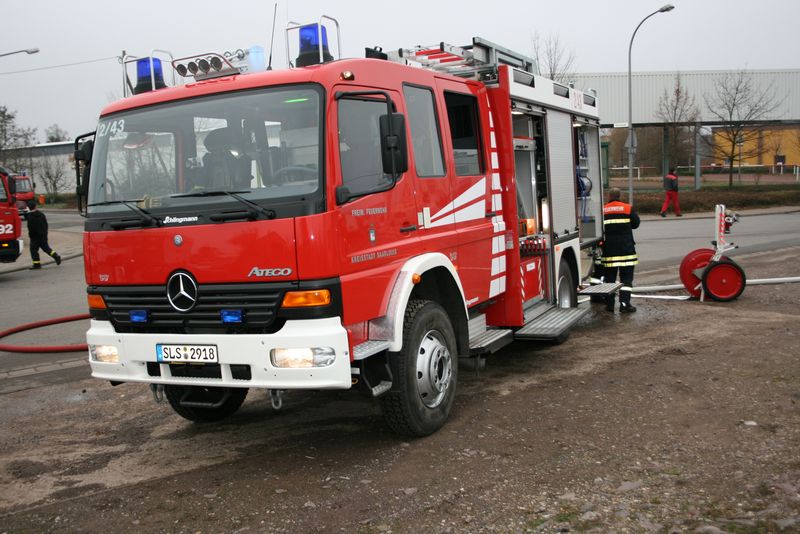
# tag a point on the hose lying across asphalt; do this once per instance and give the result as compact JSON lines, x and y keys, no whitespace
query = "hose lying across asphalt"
{"x":53,"y":348}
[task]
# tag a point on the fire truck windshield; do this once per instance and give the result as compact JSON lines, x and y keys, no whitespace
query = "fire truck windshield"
{"x":262,"y":145}
{"x":24,"y":184}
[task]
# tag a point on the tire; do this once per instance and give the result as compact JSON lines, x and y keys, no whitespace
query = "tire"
{"x":724,"y":280}
{"x":223,"y":402}
{"x":566,"y":290}
{"x":424,"y":372}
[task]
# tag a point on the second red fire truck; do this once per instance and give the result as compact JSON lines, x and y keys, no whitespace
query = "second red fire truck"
{"x":11,"y":243}
{"x":360,"y":223}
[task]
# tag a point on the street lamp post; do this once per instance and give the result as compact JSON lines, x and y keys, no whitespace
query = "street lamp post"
{"x":631,"y":143}
{"x":26,"y":50}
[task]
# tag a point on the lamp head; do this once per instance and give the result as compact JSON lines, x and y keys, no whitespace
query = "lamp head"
{"x":31,"y":50}
{"x":668,"y":7}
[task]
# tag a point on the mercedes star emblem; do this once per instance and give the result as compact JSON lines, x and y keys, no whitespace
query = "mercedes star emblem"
{"x":178,"y":240}
{"x":182,"y":291}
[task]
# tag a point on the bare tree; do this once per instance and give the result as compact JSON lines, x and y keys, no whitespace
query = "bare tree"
{"x":55,"y":133}
{"x":740,"y":106}
{"x":553,"y":59}
{"x":52,"y":171}
{"x":648,"y":152}
{"x":676,"y":109}
{"x":12,"y":139}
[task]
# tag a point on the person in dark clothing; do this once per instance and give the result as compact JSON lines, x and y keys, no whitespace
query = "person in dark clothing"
{"x":671,"y":193}
{"x":37,"y":231}
{"x":619,"y":249}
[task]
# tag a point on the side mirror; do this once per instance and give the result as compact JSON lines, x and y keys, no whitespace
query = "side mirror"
{"x":12,"y":187}
{"x":393,"y":144}
{"x":84,"y":151}
{"x":83,"y":154}
{"x":342,"y":194}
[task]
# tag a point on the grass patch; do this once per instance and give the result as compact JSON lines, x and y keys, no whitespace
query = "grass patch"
{"x":736,"y":198}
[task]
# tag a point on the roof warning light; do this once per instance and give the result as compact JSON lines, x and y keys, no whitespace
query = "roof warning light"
{"x":310,"y":36}
{"x":148,"y":79}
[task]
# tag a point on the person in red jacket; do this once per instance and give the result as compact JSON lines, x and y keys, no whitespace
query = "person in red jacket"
{"x":671,"y":193}
{"x":619,"y":249}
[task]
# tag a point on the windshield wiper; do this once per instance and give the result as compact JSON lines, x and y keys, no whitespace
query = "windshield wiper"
{"x":268,"y":213}
{"x":144,"y":216}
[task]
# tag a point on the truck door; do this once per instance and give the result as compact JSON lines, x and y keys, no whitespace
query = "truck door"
{"x":376,"y":226}
{"x":474,"y":206}
{"x":432,"y":181}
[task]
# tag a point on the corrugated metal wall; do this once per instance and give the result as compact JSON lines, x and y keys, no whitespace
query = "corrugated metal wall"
{"x":648,"y":87}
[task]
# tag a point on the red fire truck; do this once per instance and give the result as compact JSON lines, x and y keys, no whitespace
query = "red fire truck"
{"x":359,"y":223}
{"x":11,"y":243}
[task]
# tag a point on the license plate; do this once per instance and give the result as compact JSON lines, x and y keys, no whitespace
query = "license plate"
{"x":187,"y":353}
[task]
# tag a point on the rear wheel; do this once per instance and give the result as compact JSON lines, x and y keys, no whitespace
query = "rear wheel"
{"x":204,"y":404}
{"x":424,"y":372}
{"x":566,"y":290}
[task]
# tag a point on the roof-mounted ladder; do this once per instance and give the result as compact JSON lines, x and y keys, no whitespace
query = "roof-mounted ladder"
{"x":478,"y":60}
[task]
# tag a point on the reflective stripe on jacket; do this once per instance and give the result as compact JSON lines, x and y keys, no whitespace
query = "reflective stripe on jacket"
{"x":619,"y":220}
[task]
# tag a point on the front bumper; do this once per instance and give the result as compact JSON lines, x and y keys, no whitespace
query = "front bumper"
{"x":136,"y":350}
{"x":10,"y":250}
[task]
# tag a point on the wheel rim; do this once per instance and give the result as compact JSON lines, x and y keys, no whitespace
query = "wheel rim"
{"x":563,"y":296}
{"x":724,"y":281}
{"x":434,"y":369}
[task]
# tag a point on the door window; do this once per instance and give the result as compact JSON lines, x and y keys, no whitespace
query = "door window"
{"x":425,"y":140}
{"x":360,"y":147}
{"x":462,"y":114}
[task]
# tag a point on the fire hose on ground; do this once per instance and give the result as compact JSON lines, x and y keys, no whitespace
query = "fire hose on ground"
{"x":39,"y":324}
{"x":673,"y":287}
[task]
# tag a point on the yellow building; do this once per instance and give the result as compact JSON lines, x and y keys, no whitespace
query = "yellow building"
{"x":772,"y":145}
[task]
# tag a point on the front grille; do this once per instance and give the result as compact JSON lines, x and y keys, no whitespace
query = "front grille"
{"x":258,"y":302}
{"x":210,"y":370}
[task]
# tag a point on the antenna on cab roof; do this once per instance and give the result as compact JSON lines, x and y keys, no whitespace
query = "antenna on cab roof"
{"x":272,"y":38}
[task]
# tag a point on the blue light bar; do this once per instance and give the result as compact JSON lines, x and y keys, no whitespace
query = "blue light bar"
{"x":139,"y":316}
{"x":231,"y":316}
{"x":310,"y":36}
{"x":144,"y":83}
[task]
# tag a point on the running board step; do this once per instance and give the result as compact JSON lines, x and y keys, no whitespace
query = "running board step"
{"x":551,"y":324}
{"x":368,"y":348}
{"x":600,"y":289}
{"x":490,"y":341}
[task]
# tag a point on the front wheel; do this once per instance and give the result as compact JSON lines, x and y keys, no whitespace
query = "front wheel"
{"x":204,"y":404}
{"x":424,"y":372}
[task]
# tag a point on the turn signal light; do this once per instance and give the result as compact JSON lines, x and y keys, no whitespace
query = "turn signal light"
{"x":96,"y":302}
{"x":304,"y":299}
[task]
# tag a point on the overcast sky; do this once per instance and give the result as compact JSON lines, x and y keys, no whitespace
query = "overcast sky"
{"x":696,"y":35}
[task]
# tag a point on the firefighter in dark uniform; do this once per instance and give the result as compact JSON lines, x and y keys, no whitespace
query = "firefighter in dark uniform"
{"x":37,"y":230}
{"x":619,"y":249}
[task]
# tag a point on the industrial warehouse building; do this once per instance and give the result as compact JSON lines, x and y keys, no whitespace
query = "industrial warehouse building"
{"x":778,"y":142}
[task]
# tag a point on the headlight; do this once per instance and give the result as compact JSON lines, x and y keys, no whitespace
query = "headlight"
{"x":104,"y":353}
{"x":302,"y":358}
